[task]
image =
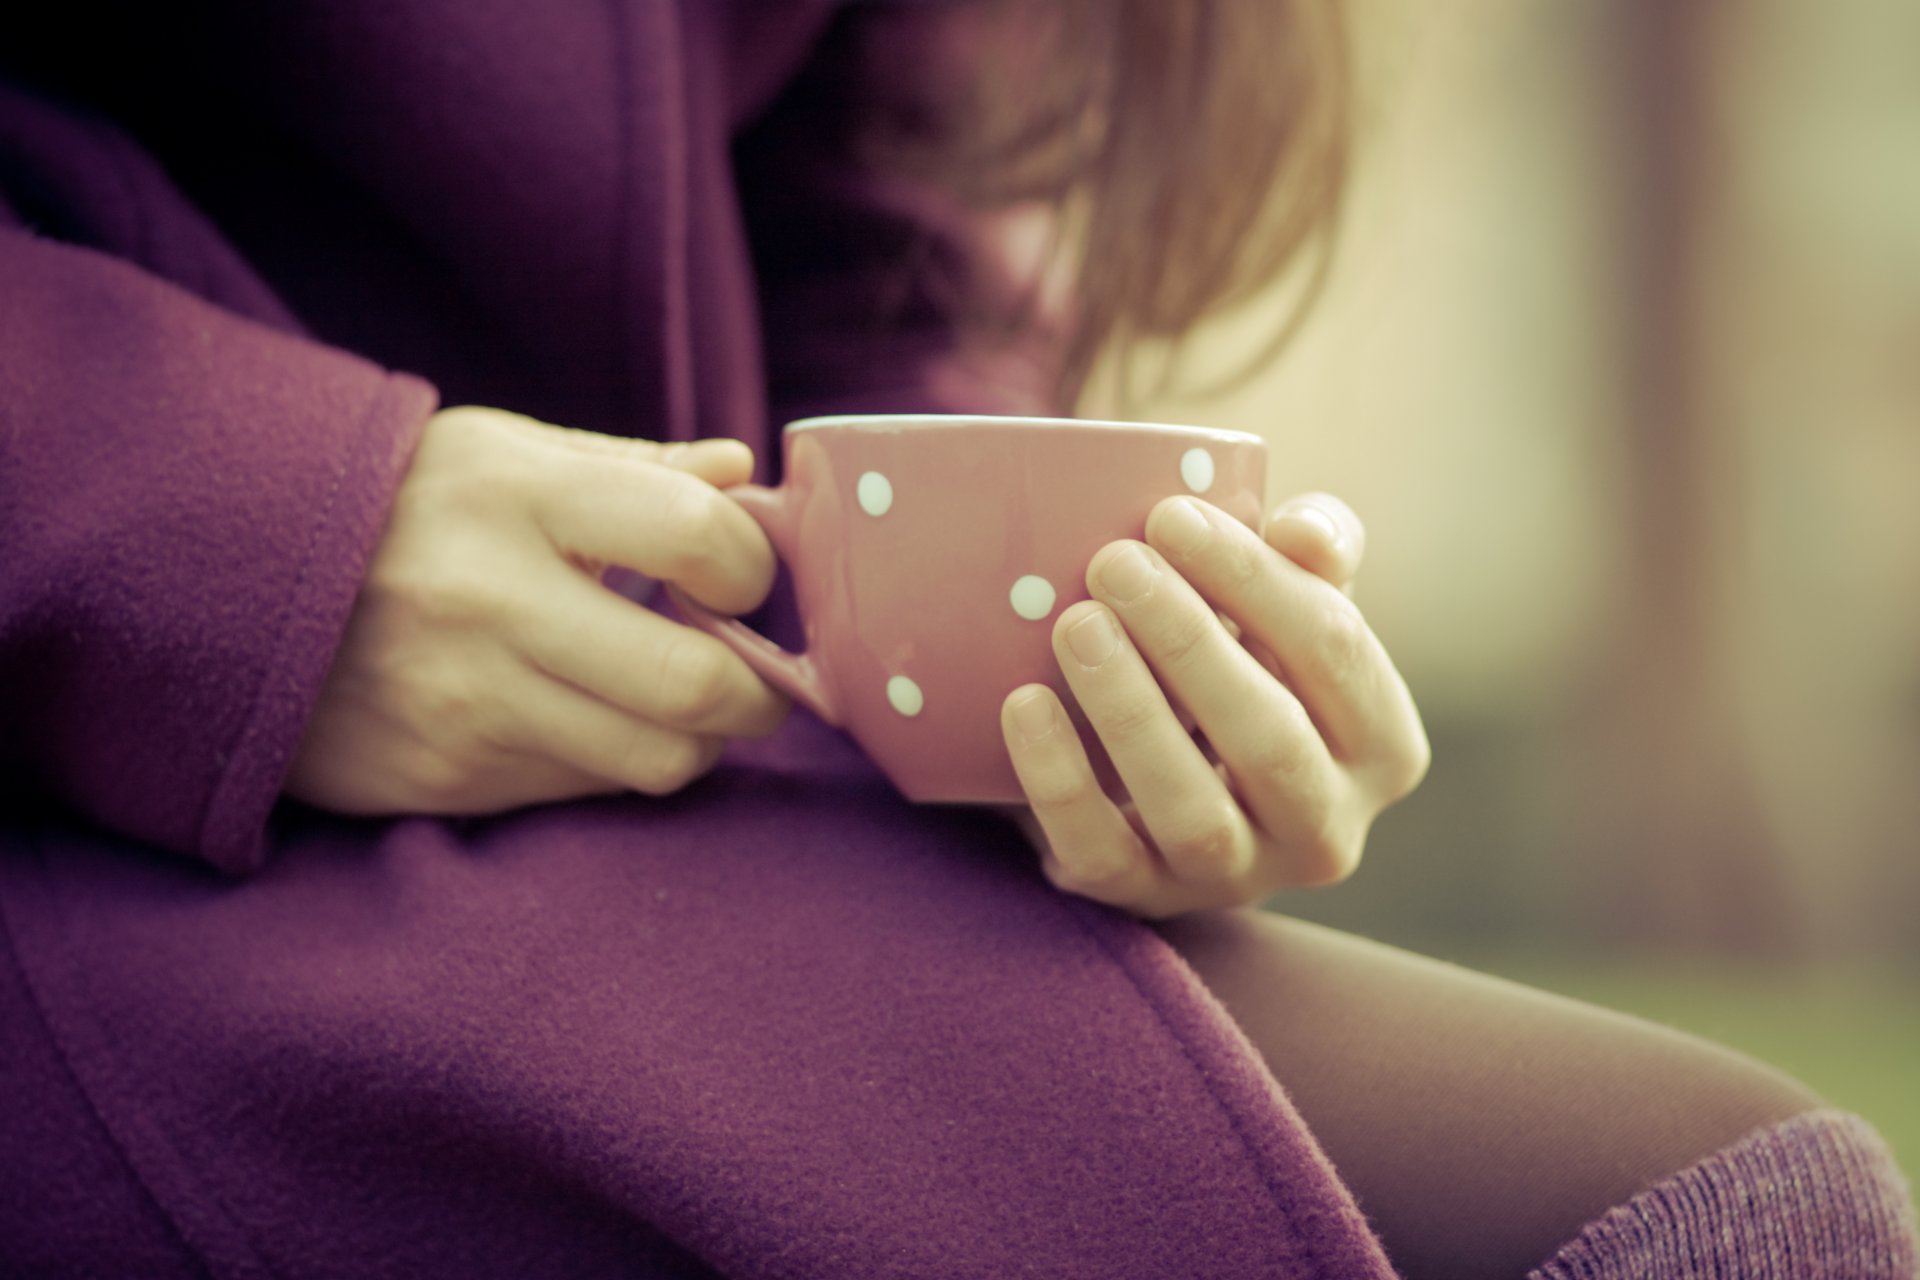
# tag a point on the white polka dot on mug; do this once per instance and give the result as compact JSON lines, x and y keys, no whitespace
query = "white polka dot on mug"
{"x":931,"y":557}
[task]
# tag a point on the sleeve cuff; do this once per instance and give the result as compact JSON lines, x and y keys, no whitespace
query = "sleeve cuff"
{"x":345,"y":530}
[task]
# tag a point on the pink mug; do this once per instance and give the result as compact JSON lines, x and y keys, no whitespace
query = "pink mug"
{"x":931,"y":553}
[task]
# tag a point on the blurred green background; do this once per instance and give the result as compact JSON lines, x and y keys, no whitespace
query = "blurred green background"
{"x":1621,"y":366}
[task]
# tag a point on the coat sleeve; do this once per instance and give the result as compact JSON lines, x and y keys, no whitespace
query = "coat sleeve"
{"x":189,"y":494}
{"x":882,"y":292}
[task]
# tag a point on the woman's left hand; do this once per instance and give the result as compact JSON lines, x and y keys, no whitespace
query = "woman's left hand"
{"x":1256,"y":748}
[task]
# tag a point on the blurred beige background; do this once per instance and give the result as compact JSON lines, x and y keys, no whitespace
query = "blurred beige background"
{"x":1621,"y":366}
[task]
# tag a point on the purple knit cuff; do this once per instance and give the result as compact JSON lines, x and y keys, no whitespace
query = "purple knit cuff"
{"x":1817,"y":1195}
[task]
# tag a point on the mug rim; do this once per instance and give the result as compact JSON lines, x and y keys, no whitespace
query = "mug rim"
{"x":930,"y":420}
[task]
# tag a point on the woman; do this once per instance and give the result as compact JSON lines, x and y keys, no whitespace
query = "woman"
{"x":382,"y":897}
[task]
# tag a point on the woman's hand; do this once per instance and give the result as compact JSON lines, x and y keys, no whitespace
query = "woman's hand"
{"x":486,"y":667}
{"x":1305,"y":731}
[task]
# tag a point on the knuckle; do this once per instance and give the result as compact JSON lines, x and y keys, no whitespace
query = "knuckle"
{"x":1411,"y":765}
{"x":1316,"y":803}
{"x":661,"y":767}
{"x":1207,"y":847}
{"x":694,"y":688}
{"x":1283,"y":754}
{"x":1237,"y":562}
{"x":456,"y":598}
{"x":1126,"y":717}
{"x":475,"y":483}
{"x":1183,"y":639}
{"x":693,"y":514}
{"x":1346,"y":642}
{"x":1055,"y":789}
{"x":1088,"y":877}
{"x":436,"y":780}
{"x":1329,"y":857}
{"x":444,"y":706}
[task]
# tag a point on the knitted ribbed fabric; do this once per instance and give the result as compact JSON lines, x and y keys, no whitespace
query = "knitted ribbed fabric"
{"x":1817,"y":1197}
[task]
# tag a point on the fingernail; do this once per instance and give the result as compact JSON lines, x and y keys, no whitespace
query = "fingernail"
{"x":1033,"y":716}
{"x":1183,"y":526}
{"x":1127,"y":575}
{"x":1318,"y":519}
{"x":1093,"y":639}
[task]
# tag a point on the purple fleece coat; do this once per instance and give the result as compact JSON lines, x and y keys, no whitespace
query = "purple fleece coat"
{"x":781,"y":1024}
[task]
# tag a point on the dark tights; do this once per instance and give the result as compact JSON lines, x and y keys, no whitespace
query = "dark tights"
{"x":1479,"y":1123}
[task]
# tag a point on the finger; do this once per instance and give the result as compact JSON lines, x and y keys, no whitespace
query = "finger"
{"x":1328,"y":655}
{"x":1196,"y":826}
{"x":660,"y":522}
{"x":1321,"y":534}
{"x":585,"y":734}
{"x":1090,"y":847}
{"x":646,"y":664}
{"x":1272,"y":750}
{"x":719,"y":461}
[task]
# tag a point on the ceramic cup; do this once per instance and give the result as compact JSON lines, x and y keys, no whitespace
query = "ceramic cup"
{"x":930,"y":555}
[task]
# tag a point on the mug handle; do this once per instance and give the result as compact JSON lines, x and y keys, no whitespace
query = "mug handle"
{"x":795,"y":674}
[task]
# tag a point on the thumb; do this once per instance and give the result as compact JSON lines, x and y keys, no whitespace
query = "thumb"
{"x":1321,"y":534}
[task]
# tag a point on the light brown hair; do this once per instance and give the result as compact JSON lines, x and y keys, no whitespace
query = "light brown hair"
{"x":1196,"y":150}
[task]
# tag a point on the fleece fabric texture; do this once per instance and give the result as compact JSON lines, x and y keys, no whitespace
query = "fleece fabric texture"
{"x":780,"y":1025}
{"x":1817,"y":1195}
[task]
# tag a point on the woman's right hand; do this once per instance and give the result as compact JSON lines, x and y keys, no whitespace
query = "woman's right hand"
{"x":486,"y":667}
